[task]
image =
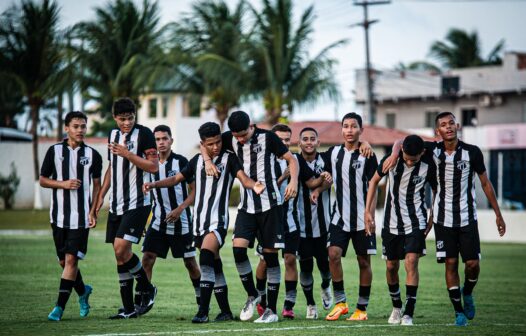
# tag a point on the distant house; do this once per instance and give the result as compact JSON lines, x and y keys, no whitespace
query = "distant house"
{"x":488,"y":101}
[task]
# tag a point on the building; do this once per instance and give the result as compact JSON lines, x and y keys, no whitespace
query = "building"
{"x":488,"y":101}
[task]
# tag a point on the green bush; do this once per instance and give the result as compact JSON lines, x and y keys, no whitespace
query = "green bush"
{"x":9,"y":186}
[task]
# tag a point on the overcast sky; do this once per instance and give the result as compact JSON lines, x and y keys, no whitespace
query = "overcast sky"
{"x":404,"y":33}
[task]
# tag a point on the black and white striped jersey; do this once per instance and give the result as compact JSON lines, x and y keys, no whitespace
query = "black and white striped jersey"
{"x":351,"y":173}
{"x":126,"y":178}
{"x":405,"y":208}
{"x":211,"y":194}
{"x":70,"y":208}
{"x":167,"y":199}
{"x":314,"y":218}
{"x":455,"y":204}
{"x":258,"y":157}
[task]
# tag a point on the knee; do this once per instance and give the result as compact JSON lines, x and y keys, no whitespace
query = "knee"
{"x":122,"y":254}
{"x":392,"y":268}
{"x":190,"y":264}
{"x":148,"y":259}
{"x":290,"y":261}
{"x":451,"y":265}
{"x":472,"y":265}
{"x":335,"y":256}
{"x":363,"y":263}
{"x":62,"y":263}
{"x":70,"y":262}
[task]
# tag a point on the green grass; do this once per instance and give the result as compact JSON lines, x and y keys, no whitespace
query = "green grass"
{"x":29,"y":278}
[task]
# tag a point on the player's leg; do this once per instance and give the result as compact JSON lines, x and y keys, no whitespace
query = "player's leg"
{"x":148,"y":261}
{"x":470,"y":252}
{"x":220,"y":287}
{"x":322,"y":261}
{"x":292,"y":241}
{"x":364,"y":246}
{"x":261,"y":281}
{"x":194,"y":273}
{"x":411,"y":287}
{"x":392,"y":252}
{"x":207,"y":255}
{"x":338,"y":243}
{"x":67,"y":281}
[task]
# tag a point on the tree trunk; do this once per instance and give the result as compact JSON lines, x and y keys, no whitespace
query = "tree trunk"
{"x":272,"y":116}
{"x":34,"y":106}
{"x":60,"y":122}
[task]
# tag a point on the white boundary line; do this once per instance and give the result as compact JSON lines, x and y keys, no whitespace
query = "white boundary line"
{"x":183,"y":332}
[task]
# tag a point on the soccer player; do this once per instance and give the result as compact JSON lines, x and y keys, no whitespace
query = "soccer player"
{"x":291,"y":229}
{"x":211,"y":214}
{"x":455,"y":210}
{"x":71,"y":168}
{"x":351,"y":172}
{"x":258,"y":215}
{"x":404,"y":229}
{"x":132,"y":154}
{"x":170,"y":227}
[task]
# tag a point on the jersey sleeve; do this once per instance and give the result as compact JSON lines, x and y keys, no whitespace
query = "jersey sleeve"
{"x":146,"y":141}
{"x":234,"y":166}
{"x":96,"y":166}
{"x":189,"y":170}
{"x":326,"y":156}
{"x":477,"y":161}
{"x":430,"y":145}
{"x":379,"y":168}
{"x":305,"y":172}
{"x":226,"y":139}
{"x":371,"y":164}
{"x":48,"y":165}
{"x":276,"y":146}
{"x":431,"y":177}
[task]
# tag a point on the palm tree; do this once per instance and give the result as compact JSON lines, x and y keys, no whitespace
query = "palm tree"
{"x":462,"y":49}
{"x":418,"y":66}
{"x":287,"y":76}
{"x":28,"y":40}
{"x":115,"y":49}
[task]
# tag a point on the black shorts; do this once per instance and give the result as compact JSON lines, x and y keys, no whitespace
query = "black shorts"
{"x":267,"y":227}
{"x":128,"y":226}
{"x":220,"y":234}
{"x":292,"y":242}
{"x":363,"y":244}
{"x":313,"y":247}
{"x":452,"y":241}
{"x":395,"y":247}
{"x":70,"y":241}
{"x":159,"y":243}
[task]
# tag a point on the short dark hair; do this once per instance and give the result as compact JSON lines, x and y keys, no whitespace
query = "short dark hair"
{"x":281,"y":128}
{"x":124,"y":105}
{"x":74,"y":114}
{"x":163,"y":128}
{"x":305,"y":129}
{"x":238,"y":121}
{"x":442,"y":115}
{"x":413,"y":145}
{"x":208,"y":130}
{"x":353,"y":115}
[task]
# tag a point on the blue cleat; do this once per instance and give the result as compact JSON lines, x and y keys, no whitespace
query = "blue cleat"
{"x":461,"y":320}
{"x":56,"y":314}
{"x":83,"y":301}
{"x":469,"y":306}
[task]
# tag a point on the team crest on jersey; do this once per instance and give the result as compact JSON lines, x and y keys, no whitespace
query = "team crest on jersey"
{"x":418,"y":179}
{"x":462,"y":164}
{"x":440,"y":244}
{"x":257,"y":148}
{"x":130,"y":145}
{"x":220,"y":167}
{"x":84,"y":160}
{"x":356,"y":164}
{"x":172,"y":173}
{"x":318,"y":169}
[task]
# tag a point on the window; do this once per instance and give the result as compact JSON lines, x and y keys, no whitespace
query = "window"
{"x":469,"y":117}
{"x":165,"y":107}
{"x":450,"y":86}
{"x":430,"y":118}
{"x":152,"y":108}
{"x":390,"y":120}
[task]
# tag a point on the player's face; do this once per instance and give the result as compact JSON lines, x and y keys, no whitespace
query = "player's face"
{"x":309,"y":142}
{"x":285,"y":137}
{"x":125,"y":121}
{"x":164,"y":141}
{"x":447,"y":128}
{"x":212,"y":145}
{"x":351,"y":130}
{"x":411,"y":160}
{"x":76,"y":129}
{"x":244,"y":136}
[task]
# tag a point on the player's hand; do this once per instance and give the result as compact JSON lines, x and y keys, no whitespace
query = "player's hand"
{"x":173,"y":216}
{"x":97,"y":206}
{"x":147,"y":187}
{"x":211,"y":169}
{"x":429,"y":226}
{"x":72,"y":184}
{"x":389,"y":162}
{"x":370,"y":226}
{"x":92,"y":218}
{"x":119,"y":150}
{"x":258,"y":187}
{"x":326,"y":176}
{"x":501,"y":226}
{"x":292,"y":190}
{"x":366,"y":149}
{"x":314,"y":195}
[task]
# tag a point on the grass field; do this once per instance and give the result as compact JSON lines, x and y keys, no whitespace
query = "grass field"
{"x":29,"y":278}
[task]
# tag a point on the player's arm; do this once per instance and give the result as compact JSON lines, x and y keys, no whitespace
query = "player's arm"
{"x":249,"y":183}
{"x":284,"y":176}
{"x":430,"y":216}
{"x":92,"y":217}
{"x":292,"y":188}
{"x":174,"y":215}
{"x":370,"y":204}
{"x":366,"y":149}
{"x":315,"y":194}
{"x":164,"y":183}
{"x":106,"y":184}
{"x":315,"y":182}
{"x":492,"y":198}
{"x":391,"y":160}
{"x":71,"y":184}
{"x":149,"y":164}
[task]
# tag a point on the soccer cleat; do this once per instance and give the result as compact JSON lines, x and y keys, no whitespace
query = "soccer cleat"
{"x":200,"y":317}
{"x":123,"y":315}
{"x":260,"y":309}
{"x":469,"y":306}
{"x":461,"y":320}
{"x":406,"y":320}
{"x":339,"y":309}
{"x":224,"y":317}
{"x":396,"y":316}
{"x":268,"y":317}
{"x":248,"y":308}
{"x":287,"y":313}
{"x":326,"y":298}
{"x":148,"y":299}
{"x":312,"y":312}
{"x":56,"y":314}
{"x":358,"y":315}
{"x":83,"y":301}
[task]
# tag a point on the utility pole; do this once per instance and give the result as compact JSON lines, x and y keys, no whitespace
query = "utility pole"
{"x":365,"y":24}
